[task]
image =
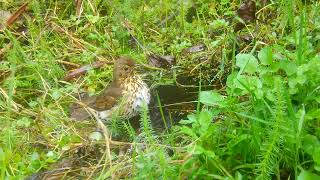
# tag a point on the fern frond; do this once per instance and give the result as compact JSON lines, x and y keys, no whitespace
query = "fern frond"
{"x":272,"y":147}
{"x":146,"y":126}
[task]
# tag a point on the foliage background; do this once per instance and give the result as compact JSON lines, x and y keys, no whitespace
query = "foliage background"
{"x":263,"y":122}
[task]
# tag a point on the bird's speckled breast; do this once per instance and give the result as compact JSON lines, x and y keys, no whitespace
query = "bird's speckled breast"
{"x":134,"y":95}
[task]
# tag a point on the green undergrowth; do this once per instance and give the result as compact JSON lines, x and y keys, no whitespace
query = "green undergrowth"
{"x":261,"y":123}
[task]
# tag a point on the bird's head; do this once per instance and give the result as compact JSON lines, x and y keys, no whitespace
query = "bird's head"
{"x":123,"y":68}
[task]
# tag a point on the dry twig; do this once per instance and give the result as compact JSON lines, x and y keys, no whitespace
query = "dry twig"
{"x":16,"y":15}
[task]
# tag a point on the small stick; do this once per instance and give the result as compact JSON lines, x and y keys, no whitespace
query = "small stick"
{"x":68,"y":63}
{"x":16,"y":14}
{"x":78,"y":8}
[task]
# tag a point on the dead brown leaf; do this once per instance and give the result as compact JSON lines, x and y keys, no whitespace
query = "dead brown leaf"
{"x":247,"y":12}
{"x":161,"y":61}
{"x":57,"y":170}
{"x":195,"y":49}
{"x":3,"y":75}
{"x":4,"y":16}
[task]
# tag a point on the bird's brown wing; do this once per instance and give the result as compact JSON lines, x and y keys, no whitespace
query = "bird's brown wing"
{"x":104,"y":101}
{"x":107,"y":99}
{"x":79,"y":110}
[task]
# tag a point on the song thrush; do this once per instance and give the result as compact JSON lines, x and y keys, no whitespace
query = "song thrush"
{"x":125,"y":95}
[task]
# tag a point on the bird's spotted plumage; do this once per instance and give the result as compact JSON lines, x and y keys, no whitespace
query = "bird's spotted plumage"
{"x":135,"y":94}
{"x":124,"y":97}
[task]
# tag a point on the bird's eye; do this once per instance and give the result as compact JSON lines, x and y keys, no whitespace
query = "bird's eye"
{"x":126,"y":68}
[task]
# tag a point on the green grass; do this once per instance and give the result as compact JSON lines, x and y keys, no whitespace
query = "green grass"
{"x":262,"y":122}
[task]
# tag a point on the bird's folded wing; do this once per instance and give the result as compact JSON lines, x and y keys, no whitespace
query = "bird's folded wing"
{"x":105,"y":101}
{"x":80,"y":110}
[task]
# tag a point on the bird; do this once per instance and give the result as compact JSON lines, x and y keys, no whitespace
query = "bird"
{"x":125,"y":96}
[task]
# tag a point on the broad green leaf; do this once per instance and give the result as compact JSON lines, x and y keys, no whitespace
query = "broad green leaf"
{"x":24,"y":122}
{"x":51,"y":157}
{"x":95,"y":136}
{"x":301,"y":74}
{"x":205,"y":120}
{"x":316,"y":157}
{"x":205,"y":117}
{"x":200,"y":150}
{"x":56,"y":94}
{"x":33,"y":104}
{"x":289,"y":67}
{"x":50,"y":154}
{"x":275,"y":66}
{"x":188,"y":131}
{"x":247,"y":63}
{"x":293,"y":85}
{"x":265,"y":56}
{"x":238,"y":176}
{"x":310,"y":142}
{"x":249,"y":83}
{"x":211,"y":98}
{"x":244,"y":84}
{"x":185,"y":122}
{"x":267,"y":79}
{"x":93,"y":19}
{"x":2,"y":155}
{"x":231,"y":79}
{"x":35,"y":156}
{"x":191,"y":119}
{"x":306,"y":175}
{"x":219,"y":23}
{"x":313,"y":114}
